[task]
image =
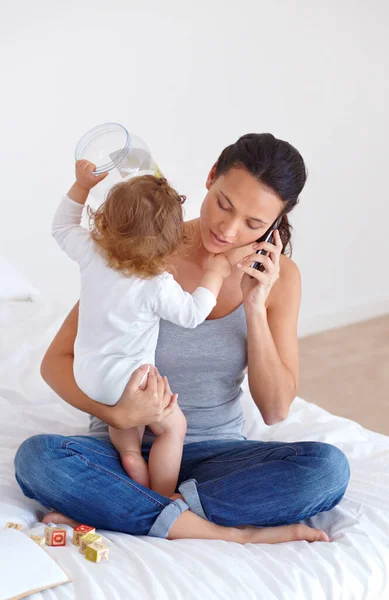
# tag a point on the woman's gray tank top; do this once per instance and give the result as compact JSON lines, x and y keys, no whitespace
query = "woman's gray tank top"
{"x":205,"y":366}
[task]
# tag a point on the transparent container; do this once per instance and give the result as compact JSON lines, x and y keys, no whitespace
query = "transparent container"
{"x":112,"y":148}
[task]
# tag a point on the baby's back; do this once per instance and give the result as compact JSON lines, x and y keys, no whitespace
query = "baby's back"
{"x":117,"y":329}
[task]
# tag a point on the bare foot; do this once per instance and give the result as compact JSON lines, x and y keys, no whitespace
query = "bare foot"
{"x":136,"y":467}
{"x":283,"y":533}
{"x":59,"y":519}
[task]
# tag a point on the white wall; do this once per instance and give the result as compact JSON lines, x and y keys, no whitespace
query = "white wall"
{"x":190,"y":77}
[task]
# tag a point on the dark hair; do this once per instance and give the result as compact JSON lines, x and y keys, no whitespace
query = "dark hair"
{"x":276,"y":164}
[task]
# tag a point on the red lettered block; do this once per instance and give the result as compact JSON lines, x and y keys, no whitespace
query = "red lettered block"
{"x":55,"y":536}
{"x":81,"y":530}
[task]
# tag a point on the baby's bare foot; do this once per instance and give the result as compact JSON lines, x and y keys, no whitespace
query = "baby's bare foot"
{"x":136,"y":467}
{"x":283,"y":533}
{"x":59,"y":519}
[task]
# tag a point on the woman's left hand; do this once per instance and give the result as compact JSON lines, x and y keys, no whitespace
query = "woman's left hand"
{"x":257,"y":287}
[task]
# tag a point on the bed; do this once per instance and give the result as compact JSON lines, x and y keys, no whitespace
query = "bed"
{"x":354,"y":566}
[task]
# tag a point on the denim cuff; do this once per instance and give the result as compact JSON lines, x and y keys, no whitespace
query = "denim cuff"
{"x":171,"y":512}
{"x":188,"y":489}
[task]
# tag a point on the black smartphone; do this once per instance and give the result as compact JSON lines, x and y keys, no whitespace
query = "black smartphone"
{"x":267,"y":237}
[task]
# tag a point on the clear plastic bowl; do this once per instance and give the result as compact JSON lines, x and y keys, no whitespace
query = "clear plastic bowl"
{"x":111,"y":148}
{"x":107,"y":146}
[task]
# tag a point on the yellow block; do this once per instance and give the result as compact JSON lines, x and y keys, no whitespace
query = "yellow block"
{"x":39,"y":539}
{"x":97,"y":552}
{"x":89,"y":538}
{"x":11,"y":525}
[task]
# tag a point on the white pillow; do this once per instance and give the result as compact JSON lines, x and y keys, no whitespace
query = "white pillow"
{"x":13,"y":285}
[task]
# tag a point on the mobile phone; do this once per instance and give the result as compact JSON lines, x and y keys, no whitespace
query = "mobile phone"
{"x":267,"y":237}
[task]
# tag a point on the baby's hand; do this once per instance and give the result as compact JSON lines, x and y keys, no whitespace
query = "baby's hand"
{"x":84,"y":174}
{"x":219,"y":263}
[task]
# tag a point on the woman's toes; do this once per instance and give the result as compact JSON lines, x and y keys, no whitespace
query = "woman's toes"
{"x":59,"y":519}
{"x":324,"y":536}
{"x":303,"y":532}
{"x":283,"y":533}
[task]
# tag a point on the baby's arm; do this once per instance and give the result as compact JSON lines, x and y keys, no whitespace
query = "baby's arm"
{"x":173,"y":304}
{"x":66,"y":229}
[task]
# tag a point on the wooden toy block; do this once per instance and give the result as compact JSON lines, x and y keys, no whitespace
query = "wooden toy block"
{"x":54,"y":536}
{"x":97,"y":552}
{"x":87,"y":539}
{"x":81,"y":530}
{"x":11,"y":525}
{"x":39,"y":539}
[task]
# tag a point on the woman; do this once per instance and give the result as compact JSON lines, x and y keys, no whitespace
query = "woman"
{"x":229,"y":488}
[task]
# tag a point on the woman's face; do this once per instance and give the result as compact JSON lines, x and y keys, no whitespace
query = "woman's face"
{"x":236,"y":211}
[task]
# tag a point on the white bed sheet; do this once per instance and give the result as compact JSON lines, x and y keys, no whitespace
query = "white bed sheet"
{"x":354,"y":566}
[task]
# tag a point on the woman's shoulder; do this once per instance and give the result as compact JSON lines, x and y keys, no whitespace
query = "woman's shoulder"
{"x":288,"y":286}
{"x":288,"y":268}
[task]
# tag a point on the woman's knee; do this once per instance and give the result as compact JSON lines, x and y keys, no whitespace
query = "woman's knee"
{"x":337,"y":468}
{"x":31,"y":458}
{"x":323,"y":486}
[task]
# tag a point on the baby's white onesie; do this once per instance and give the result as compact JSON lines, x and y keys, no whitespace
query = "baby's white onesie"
{"x":118,"y":322}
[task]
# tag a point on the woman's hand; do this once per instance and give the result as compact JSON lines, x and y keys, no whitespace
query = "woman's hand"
{"x":256,"y":289}
{"x":141,"y":407}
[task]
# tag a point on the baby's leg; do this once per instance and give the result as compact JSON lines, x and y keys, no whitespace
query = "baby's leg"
{"x":166,"y":453}
{"x":128,"y":443}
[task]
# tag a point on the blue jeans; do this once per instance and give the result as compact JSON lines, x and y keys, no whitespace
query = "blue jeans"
{"x":225,"y":481}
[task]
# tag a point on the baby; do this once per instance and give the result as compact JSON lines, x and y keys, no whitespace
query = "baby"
{"x":125,"y":290}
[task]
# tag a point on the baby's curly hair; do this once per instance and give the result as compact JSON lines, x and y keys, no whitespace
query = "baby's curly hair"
{"x":139,"y":226}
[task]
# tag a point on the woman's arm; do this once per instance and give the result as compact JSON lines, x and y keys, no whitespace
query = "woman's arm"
{"x":136,"y":407}
{"x":273,"y":361}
